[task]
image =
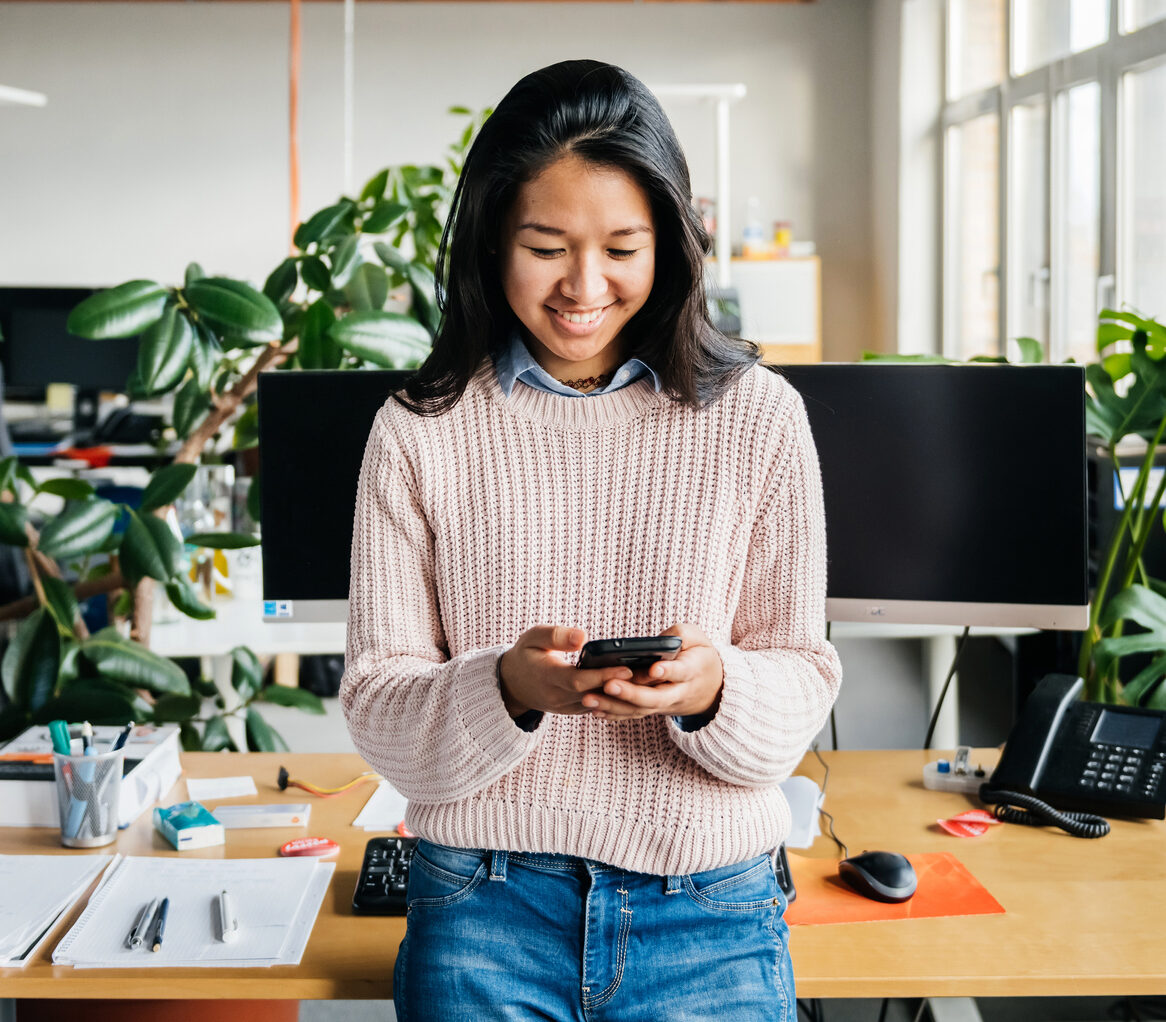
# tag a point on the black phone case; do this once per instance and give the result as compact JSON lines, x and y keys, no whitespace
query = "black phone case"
{"x":636,"y":653}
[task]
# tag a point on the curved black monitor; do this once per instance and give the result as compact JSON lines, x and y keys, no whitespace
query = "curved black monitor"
{"x":955,"y":494}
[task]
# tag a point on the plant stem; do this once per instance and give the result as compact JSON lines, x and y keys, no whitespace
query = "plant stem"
{"x":35,"y":575}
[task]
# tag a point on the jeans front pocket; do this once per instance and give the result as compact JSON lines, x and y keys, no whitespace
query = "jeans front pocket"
{"x":748,"y":886}
{"x":441,"y":875}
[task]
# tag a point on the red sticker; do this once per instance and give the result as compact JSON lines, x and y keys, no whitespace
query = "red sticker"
{"x":404,"y":831}
{"x":973,"y":823}
{"x":310,"y":846}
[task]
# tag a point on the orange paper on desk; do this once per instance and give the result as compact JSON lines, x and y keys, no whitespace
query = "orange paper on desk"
{"x":945,"y":888}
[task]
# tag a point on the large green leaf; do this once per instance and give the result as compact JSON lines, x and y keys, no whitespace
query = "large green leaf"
{"x":1139,"y":604}
{"x":70,"y":489}
{"x":424,"y":287}
{"x":236,"y":309}
{"x":62,"y":602}
{"x":375,"y":186}
{"x":247,"y":428}
{"x":13,"y":519}
{"x":175,"y":709}
{"x":1031,"y":350}
{"x":32,"y":660}
{"x":316,"y":273}
{"x":328,"y":222}
{"x":368,"y":289}
{"x":254,"y":499}
{"x":94,"y":699}
{"x":317,"y":349}
{"x":223,"y":540}
{"x":164,"y":352}
{"x":191,"y":404}
{"x":183,"y":595}
{"x":383,"y":216}
{"x":345,"y":261}
{"x":246,"y":673}
{"x":80,"y":529}
{"x":215,"y":736}
{"x":121,"y":311}
{"x":385,"y":339}
{"x":282,"y":282}
{"x":132,"y":664}
{"x":262,"y":735}
{"x":204,"y":355}
{"x":8,"y":467}
{"x":1109,"y":650}
{"x":150,"y":549}
{"x":392,"y":258}
{"x":300,"y":698}
{"x":166,"y":485}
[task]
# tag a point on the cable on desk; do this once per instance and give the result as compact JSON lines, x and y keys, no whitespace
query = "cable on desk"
{"x":955,"y":662}
{"x":1017,"y":807}
{"x":284,"y":782}
{"x":829,"y":819}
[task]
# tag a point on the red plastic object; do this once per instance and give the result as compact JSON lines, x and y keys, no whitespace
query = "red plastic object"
{"x":310,"y":846}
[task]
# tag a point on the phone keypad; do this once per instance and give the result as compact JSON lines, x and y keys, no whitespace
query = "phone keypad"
{"x":1123,"y":770}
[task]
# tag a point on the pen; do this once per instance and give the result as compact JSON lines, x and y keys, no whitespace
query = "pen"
{"x":160,"y":923}
{"x":59,"y":731}
{"x":228,"y":920}
{"x":121,"y":739}
{"x":138,"y":933}
{"x":87,"y":739}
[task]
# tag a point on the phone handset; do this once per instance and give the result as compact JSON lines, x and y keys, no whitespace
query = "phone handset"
{"x":1011,"y":789}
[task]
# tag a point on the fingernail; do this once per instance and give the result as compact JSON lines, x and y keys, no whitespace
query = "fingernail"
{"x":613,"y":689}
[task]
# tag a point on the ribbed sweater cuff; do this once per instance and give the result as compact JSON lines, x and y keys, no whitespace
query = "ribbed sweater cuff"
{"x":738,"y":743}
{"x":484,"y":720}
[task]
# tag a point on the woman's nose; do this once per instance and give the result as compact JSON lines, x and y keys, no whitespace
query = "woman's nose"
{"x":584,"y":281}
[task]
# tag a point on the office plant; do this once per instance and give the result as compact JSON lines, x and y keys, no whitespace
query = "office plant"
{"x":1126,"y":402}
{"x":357,"y":292}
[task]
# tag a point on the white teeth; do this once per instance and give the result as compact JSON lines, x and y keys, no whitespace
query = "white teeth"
{"x":581,"y":317}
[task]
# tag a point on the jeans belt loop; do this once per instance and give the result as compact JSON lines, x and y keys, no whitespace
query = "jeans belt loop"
{"x":672,"y":884}
{"x":498,"y":865}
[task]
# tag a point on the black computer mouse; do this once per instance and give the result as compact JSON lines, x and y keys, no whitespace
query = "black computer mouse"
{"x":883,"y":876}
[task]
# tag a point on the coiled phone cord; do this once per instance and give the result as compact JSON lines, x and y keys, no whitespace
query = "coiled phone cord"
{"x":1015,"y":807}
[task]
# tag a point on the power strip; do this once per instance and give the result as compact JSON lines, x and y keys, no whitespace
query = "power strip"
{"x":946,"y":775}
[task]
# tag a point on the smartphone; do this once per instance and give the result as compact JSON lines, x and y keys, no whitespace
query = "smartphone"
{"x":636,"y":653}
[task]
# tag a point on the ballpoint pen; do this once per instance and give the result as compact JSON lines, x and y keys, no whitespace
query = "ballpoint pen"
{"x":228,"y":919}
{"x":121,"y":739}
{"x":138,"y":933}
{"x":160,"y":924}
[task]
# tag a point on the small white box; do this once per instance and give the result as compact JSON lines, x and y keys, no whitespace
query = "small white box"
{"x":280,"y":814}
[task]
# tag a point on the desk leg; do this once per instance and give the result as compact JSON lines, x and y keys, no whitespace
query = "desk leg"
{"x":47,"y":1010}
{"x":953,"y":1009}
{"x":938,"y":652}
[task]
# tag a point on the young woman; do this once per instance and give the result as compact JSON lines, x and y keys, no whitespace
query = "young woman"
{"x":584,"y":456}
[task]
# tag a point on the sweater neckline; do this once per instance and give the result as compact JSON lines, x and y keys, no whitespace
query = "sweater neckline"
{"x":595,"y":412}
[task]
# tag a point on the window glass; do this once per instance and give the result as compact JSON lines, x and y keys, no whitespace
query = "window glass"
{"x":971,"y":299}
{"x":1142,"y":221}
{"x":1136,"y":13}
{"x":1028,"y":261}
{"x":1076,"y":222}
{"x":1046,"y":30}
{"x":975,"y":45}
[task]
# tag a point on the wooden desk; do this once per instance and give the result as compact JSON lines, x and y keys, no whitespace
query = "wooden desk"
{"x":1082,"y":917}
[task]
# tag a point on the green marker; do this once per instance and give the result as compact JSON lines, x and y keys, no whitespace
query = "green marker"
{"x":59,"y":731}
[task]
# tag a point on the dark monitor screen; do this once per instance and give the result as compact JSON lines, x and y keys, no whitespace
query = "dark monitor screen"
{"x":955,"y":494}
{"x":39,"y":350}
{"x":313,"y":427}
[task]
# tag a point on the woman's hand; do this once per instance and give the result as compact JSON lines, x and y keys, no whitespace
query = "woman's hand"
{"x":535,"y":676}
{"x":689,"y":685}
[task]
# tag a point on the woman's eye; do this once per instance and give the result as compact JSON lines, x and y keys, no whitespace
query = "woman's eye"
{"x":547,"y":253}
{"x":621,"y":253}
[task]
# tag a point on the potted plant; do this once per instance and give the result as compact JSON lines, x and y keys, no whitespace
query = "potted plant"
{"x":358,"y":291}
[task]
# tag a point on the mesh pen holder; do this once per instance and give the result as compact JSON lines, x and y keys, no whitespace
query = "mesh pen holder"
{"x":88,"y":791}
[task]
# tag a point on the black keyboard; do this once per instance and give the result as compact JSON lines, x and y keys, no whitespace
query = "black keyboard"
{"x":384,"y":877}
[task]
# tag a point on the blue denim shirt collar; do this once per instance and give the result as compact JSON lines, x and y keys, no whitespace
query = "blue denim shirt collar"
{"x":516,"y":363}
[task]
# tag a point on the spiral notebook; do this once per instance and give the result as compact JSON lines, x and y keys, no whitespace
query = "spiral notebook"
{"x":276,"y":902}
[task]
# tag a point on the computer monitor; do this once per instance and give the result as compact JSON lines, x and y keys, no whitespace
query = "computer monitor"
{"x":954,"y":494}
{"x":38,"y":350}
{"x":313,"y":426}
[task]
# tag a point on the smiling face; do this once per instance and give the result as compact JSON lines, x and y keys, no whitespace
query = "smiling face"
{"x":577,"y":258}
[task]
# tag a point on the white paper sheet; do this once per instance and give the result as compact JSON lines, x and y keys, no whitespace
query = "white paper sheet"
{"x":272,"y":900}
{"x":805,"y":799}
{"x":384,"y":809}
{"x":202,"y":789}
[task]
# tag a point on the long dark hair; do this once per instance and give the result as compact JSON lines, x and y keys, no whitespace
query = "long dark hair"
{"x":604,"y":115}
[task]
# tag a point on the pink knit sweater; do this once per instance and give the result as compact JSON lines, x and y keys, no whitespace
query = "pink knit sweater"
{"x":621,"y":514}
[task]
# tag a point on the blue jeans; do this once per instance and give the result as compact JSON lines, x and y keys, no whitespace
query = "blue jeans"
{"x":497,"y":935}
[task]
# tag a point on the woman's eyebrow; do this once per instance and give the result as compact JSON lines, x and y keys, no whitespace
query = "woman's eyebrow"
{"x":622,"y":232}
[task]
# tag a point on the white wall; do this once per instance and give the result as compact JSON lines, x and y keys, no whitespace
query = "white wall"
{"x":165,"y":137}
